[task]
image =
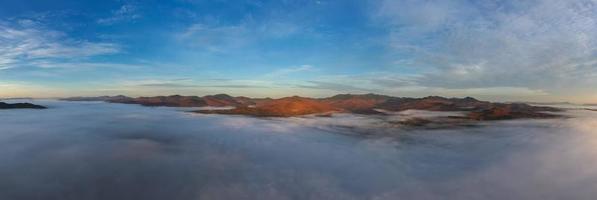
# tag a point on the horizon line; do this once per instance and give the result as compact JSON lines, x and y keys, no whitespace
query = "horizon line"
{"x":328,"y":96}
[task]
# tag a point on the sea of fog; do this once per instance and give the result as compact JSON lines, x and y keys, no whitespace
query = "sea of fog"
{"x":95,"y":150}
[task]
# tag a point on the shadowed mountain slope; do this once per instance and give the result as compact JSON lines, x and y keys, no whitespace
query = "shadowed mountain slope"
{"x":20,"y":106}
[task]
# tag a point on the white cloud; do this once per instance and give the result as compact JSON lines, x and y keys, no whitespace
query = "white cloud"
{"x":52,"y":64}
{"x":283,"y":72}
{"x":216,"y":38}
{"x":31,"y":43}
{"x":334,"y":86}
{"x":393,"y":84}
{"x":223,"y":38}
{"x":126,"y":12}
{"x":155,"y":82}
{"x":541,"y":45}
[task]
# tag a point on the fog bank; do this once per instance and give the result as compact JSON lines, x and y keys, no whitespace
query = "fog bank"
{"x":94,"y":150}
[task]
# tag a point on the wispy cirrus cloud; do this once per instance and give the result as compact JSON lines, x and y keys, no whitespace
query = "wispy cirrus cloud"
{"x":283,"y":72}
{"x":29,"y":43}
{"x":333,"y":86}
{"x":390,"y":83}
{"x":77,"y":64}
{"x":192,"y":83}
{"x":217,"y":37}
{"x":126,"y":12}
{"x":543,"y":44}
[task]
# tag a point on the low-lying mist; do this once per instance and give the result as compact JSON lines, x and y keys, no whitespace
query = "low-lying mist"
{"x":94,"y":150}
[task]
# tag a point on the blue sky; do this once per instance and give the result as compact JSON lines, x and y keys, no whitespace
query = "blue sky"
{"x":497,"y":50}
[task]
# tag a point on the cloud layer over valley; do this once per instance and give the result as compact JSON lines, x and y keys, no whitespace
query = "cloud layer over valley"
{"x":94,"y":150}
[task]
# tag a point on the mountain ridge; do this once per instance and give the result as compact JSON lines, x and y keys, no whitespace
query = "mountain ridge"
{"x":342,"y":103}
{"x":20,"y":106}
